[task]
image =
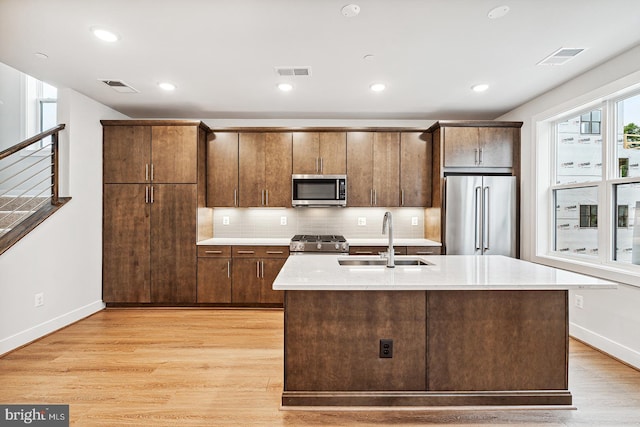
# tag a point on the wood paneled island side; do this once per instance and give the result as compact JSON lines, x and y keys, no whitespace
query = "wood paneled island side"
{"x":465,"y":331}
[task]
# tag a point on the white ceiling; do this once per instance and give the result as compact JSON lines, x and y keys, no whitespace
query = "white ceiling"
{"x":221,"y":54}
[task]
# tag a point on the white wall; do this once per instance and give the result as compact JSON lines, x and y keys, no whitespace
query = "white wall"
{"x":610,"y":320}
{"x":63,"y":256}
{"x":11,"y":82}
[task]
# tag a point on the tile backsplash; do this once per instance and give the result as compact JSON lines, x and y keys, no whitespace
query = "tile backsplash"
{"x":351,"y":222}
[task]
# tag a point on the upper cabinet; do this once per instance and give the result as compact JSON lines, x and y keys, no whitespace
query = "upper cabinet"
{"x":478,"y":144}
{"x":264,"y":169}
{"x":222,"y":169}
{"x":143,"y":154}
{"x":320,"y":153}
{"x":415,"y":169}
{"x":373,"y":169}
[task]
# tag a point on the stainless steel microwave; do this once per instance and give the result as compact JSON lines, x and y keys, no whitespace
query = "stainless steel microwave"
{"x":319,"y":190}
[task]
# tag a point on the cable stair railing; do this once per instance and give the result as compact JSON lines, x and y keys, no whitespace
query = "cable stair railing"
{"x":28,"y":185}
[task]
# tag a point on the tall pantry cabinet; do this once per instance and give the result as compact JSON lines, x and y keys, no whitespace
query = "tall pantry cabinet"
{"x":151,"y":195}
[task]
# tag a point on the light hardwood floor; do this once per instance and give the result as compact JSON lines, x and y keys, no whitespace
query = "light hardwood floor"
{"x":169,"y":367}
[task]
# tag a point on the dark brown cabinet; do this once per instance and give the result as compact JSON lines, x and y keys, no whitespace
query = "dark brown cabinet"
{"x":214,"y":274}
{"x":415,"y":170}
{"x":398,"y":250}
{"x":222,"y":170}
{"x":320,"y":153}
{"x":150,"y":203}
{"x":486,"y":147}
{"x":253,"y":272}
{"x":373,"y":169}
{"x":264,"y":169}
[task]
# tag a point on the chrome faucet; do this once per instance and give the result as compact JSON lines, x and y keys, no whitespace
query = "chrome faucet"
{"x":389,"y":220}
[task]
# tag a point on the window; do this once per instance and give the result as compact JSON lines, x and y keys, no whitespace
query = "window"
{"x":41,"y":108}
{"x":595,"y":184}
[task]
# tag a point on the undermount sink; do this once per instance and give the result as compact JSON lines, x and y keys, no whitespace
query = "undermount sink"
{"x":353,"y":261}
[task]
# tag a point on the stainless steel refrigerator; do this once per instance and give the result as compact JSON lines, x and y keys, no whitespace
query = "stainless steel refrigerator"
{"x":480,"y":215}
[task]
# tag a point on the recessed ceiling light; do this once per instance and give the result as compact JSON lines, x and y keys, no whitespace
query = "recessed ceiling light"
{"x":41,"y":55}
{"x":480,"y":87}
{"x":498,"y":12}
{"x":351,"y":10}
{"x":378,"y":87}
{"x":285,"y":87}
{"x":167,"y":86}
{"x":105,"y":35}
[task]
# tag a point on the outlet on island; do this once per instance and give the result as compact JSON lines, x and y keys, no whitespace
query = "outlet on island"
{"x":386,"y":349}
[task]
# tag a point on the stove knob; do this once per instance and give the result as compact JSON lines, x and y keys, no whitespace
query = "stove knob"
{"x":337,"y":245}
{"x":319,"y":246}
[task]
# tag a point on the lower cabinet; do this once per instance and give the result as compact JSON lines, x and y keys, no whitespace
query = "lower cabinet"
{"x":399,"y":250}
{"x":240,"y":275}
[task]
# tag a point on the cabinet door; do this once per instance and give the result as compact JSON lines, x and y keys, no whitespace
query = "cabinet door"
{"x":251,"y":157}
{"x":333,"y":153}
{"x":270,"y":269}
{"x":496,"y":147}
{"x":359,"y":169}
{"x":126,"y":154}
{"x":415,"y":170}
{"x":174,"y":154}
{"x":214,"y":280}
{"x":306,"y":153}
{"x":277,"y":169}
{"x":126,"y":245}
{"x":386,"y":169}
{"x":222,"y":170}
{"x":461,"y":146}
{"x":376,"y":250}
{"x":173,"y":234}
{"x":246,"y":280}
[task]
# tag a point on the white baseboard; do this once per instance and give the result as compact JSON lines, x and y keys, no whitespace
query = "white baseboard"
{"x":617,"y":350}
{"x":52,"y":325}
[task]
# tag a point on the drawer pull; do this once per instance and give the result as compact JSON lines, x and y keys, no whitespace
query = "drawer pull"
{"x":424,"y":253}
{"x":274,"y":252}
{"x":212,"y":252}
{"x":364,"y":253}
{"x":246,"y":252}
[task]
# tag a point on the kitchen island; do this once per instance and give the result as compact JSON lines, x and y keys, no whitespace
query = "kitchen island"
{"x":459,"y":331}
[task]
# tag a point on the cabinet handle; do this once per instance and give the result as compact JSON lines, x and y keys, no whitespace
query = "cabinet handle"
{"x":274,"y":252}
{"x":401,"y":197}
{"x":476,"y":156}
{"x":246,"y":252}
{"x":317,"y":165}
{"x":228,"y":269}
{"x":146,"y":172}
{"x":267,"y":197}
{"x":152,"y":198}
{"x":146,"y":194}
{"x":424,"y":253}
{"x":375,"y":197}
{"x":262,"y":269}
{"x":258,"y":269}
{"x":151,"y":171}
{"x":480,"y":157}
{"x":212,"y":252}
{"x":235,"y":197}
{"x":364,"y":253}
{"x":261,"y":197}
{"x":321,"y":165}
{"x":371,"y":197}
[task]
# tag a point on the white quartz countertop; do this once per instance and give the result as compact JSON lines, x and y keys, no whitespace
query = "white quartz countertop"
{"x":284,"y":241}
{"x":450,"y":272}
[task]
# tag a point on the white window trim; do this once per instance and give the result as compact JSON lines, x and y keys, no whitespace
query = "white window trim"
{"x":541,"y":199}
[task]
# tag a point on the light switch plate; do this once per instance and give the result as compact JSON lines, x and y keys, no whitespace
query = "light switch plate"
{"x":225,"y":220}
{"x":283,"y":220}
{"x":362,"y":220}
{"x":414,"y":220}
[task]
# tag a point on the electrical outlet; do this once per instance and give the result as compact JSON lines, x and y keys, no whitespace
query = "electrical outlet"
{"x":39,"y":299}
{"x":414,"y":220}
{"x":283,"y":220}
{"x":579,"y":300}
{"x":362,"y":220}
{"x":386,"y":349}
{"x":225,"y":220}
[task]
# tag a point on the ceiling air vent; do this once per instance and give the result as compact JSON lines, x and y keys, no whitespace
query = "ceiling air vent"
{"x":119,"y":86}
{"x":561,"y":56}
{"x":293,"y":71}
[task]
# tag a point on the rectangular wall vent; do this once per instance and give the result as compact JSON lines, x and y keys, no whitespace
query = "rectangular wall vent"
{"x":297,"y":71}
{"x":561,"y":56}
{"x":119,"y":86}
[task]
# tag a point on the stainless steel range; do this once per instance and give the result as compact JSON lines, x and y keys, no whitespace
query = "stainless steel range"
{"x":314,"y":243}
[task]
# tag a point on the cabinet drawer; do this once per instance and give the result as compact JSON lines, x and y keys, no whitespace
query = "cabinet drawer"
{"x":424,"y":250}
{"x":260,"y":251}
{"x":375,"y":250}
{"x":214,"y":251}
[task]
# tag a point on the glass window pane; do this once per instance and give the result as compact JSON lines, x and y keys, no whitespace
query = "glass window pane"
{"x":576,"y":220}
{"x":627,"y":232}
{"x":579,"y":150}
{"x":628,"y":136}
{"x":595,"y":116}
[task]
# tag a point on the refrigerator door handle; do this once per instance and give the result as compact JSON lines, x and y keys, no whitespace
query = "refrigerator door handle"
{"x":478,"y":218}
{"x":485,"y":219}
